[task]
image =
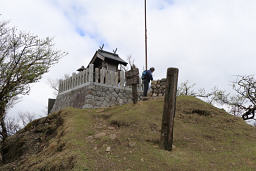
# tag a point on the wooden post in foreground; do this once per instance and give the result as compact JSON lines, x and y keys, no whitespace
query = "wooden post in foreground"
{"x":132,"y":78}
{"x":166,"y":138}
{"x":134,"y":93}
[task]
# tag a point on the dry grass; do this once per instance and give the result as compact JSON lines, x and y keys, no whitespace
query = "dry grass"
{"x":205,"y":138}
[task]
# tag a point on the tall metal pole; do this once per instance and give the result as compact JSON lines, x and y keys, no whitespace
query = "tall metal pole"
{"x":146,"y":44}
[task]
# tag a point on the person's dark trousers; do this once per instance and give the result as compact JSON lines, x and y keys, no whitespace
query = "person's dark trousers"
{"x":146,"y":84}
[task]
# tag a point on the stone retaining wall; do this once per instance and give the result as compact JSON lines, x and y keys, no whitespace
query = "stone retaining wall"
{"x":94,"y":88}
{"x":158,"y":87}
{"x":93,"y":95}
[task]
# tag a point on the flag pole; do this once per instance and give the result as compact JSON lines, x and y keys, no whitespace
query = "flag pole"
{"x":146,"y":44}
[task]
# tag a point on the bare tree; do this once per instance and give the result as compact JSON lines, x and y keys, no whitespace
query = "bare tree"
{"x":131,"y":64}
{"x":54,"y":84}
{"x":24,"y":58}
{"x":212,"y":96}
{"x":244,"y":97}
{"x":26,"y":117}
{"x":187,"y":89}
{"x":242,"y":102}
{"x":12,"y":126}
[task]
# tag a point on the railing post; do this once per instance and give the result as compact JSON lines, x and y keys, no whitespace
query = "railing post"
{"x":112,"y":77}
{"x":122,"y":77}
{"x":65,"y":85}
{"x":86,"y":75}
{"x":73,"y":80}
{"x":76,"y":80}
{"x":69,"y":83}
{"x":116,"y":78}
{"x":60,"y":86}
{"x":91,"y":73}
{"x":102,"y":75}
{"x":79,"y":78}
{"x":96,"y":75}
{"x":107,"y":79}
{"x":82,"y":77}
{"x":166,"y":138}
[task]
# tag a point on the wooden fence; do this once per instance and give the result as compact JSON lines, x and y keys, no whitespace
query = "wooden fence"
{"x":90,"y":75}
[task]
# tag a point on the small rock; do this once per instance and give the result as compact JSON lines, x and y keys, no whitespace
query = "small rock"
{"x":111,"y":127}
{"x":99,"y":135}
{"x":108,"y":149}
{"x":132,"y":144}
{"x":145,"y":98}
{"x":90,"y":137}
{"x":95,"y":148}
{"x":173,"y":146}
{"x":112,"y":136}
{"x":142,"y":160}
{"x":100,"y":110}
{"x":99,"y":126}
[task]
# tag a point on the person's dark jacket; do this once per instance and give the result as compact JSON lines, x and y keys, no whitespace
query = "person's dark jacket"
{"x":148,"y":76}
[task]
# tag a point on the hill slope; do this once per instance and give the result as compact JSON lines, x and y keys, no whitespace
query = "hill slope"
{"x":126,"y":138}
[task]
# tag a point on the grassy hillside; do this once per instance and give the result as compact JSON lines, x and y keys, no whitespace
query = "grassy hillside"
{"x":126,"y":138}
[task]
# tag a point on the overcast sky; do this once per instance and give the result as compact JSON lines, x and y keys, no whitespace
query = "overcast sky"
{"x":208,"y":40}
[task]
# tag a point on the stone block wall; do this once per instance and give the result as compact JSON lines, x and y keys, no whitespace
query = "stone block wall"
{"x":158,"y":87}
{"x":94,"y":88}
{"x":93,"y":95}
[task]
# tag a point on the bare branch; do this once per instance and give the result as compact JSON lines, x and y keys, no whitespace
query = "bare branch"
{"x":26,"y":118}
{"x":12,"y":126}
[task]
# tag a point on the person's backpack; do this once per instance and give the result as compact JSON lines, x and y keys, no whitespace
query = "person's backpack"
{"x":144,"y":74}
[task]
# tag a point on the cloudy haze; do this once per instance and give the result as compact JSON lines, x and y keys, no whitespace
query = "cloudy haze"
{"x":208,"y":40}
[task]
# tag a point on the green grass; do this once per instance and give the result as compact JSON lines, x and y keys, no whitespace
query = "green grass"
{"x":217,"y":141}
{"x":205,"y":138}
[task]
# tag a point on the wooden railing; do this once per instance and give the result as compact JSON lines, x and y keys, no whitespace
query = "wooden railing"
{"x":90,"y":75}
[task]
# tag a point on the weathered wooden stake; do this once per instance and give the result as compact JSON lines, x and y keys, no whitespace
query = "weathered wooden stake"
{"x":134,"y":93}
{"x":132,"y":79}
{"x":166,"y":138}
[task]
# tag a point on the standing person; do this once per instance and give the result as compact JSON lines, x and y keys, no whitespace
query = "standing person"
{"x":146,"y":78}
